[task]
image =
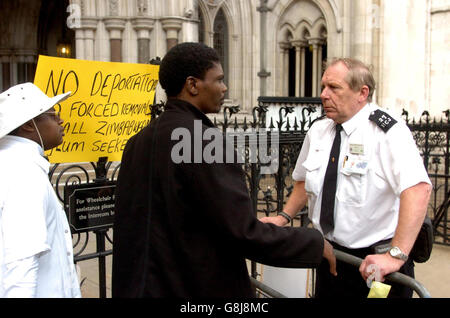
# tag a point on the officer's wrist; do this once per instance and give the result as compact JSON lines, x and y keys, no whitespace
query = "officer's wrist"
{"x":285,"y":216}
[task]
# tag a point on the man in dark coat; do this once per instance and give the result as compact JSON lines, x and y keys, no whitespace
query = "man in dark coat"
{"x":184,"y":227}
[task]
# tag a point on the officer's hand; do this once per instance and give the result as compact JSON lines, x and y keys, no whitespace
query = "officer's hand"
{"x":385,"y":263}
{"x":277,"y":220}
{"x":328,"y":253}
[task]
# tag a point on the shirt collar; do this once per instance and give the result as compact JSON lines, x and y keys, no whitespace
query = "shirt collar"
{"x":350,"y":125}
{"x":182,"y":105}
{"x":28,"y":148}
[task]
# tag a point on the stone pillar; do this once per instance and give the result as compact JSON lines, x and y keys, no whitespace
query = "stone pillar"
{"x":17,"y":66}
{"x":263,"y":73}
{"x":26,"y":59}
{"x":298,"y":63}
{"x":79,"y":44}
{"x":361,"y":35}
{"x":6,"y":69}
{"x":319,"y":69}
{"x":115,"y":26}
{"x":376,"y":41}
{"x":302,"y":69}
{"x":171,"y":25}
{"x":316,"y":61}
{"x":88,"y":25}
{"x":299,"y":67}
{"x":285,"y":46}
{"x":143,"y":27}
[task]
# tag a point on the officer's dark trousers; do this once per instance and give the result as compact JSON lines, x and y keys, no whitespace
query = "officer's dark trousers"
{"x":349,"y":282}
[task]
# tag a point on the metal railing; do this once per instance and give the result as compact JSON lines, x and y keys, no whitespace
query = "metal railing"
{"x":399,"y":278}
{"x":393,"y":277}
{"x":432,"y":137}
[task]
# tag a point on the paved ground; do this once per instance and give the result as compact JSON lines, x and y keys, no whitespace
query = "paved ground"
{"x":434,"y":275}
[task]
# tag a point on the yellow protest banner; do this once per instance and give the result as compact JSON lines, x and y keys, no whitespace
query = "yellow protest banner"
{"x":109,"y":103}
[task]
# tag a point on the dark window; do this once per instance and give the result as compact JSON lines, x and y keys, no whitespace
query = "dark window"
{"x":308,"y":71}
{"x":221,"y":42}
{"x":292,"y":68}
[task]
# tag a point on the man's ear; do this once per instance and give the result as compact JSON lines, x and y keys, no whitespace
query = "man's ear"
{"x":191,"y":85}
{"x":364,"y":93}
{"x":28,"y":127}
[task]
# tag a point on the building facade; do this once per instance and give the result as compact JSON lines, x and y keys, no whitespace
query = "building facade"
{"x":267,"y":47}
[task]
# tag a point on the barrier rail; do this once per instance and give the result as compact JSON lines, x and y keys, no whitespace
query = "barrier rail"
{"x":393,"y":277}
{"x":356,"y":261}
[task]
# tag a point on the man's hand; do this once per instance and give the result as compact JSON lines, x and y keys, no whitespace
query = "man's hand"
{"x":328,"y":253}
{"x":296,"y":202}
{"x":277,"y":220}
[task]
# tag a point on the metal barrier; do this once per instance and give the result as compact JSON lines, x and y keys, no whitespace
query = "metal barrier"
{"x":356,"y":261}
{"x":266,"y":290}
{"x":393,"y":277}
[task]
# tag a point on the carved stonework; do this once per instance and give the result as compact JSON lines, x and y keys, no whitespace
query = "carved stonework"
{"x":83,"y":8}
{"x":142,"y":7}
{"x":114,"y":8}
{"x":189,"y":9}
{"x":213,"y":3}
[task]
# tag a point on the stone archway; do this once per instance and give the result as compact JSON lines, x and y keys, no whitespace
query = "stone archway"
{"x":29,"y":28}
{"x":303,"y":48}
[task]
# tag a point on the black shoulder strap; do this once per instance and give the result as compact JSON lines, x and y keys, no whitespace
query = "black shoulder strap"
{"x":318,"y":118}
{"x":382,"y":120}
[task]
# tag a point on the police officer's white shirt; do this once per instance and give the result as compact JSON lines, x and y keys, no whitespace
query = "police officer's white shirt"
{"x":36,"y":254}
{"x":374,"y":168}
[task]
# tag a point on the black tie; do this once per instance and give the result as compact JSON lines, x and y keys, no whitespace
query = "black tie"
{"x":329,"y":185}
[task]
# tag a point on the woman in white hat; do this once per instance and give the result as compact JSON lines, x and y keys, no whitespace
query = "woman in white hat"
{"x":36,"y":254}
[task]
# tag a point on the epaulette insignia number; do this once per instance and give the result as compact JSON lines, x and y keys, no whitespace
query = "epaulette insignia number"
{"x":382,"y":119}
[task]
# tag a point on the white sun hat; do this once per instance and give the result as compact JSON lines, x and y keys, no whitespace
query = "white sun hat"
{"x":22,"y":103}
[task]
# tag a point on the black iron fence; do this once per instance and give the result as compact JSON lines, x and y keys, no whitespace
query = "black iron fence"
{"x":433,"y":140}
{"x":283,"y":123}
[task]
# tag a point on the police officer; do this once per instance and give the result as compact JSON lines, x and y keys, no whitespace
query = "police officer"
{"x":364,"y":181}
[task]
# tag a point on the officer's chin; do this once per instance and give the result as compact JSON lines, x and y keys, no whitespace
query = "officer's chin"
{"x":330,"y":115}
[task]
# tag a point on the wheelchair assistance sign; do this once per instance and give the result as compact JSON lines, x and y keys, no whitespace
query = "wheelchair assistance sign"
{"x":90,"y":206}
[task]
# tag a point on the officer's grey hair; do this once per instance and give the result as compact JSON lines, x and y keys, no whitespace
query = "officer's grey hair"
{"x":359,"y":75}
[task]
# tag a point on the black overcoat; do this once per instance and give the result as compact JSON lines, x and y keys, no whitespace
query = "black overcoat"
{"x":189,"y":232}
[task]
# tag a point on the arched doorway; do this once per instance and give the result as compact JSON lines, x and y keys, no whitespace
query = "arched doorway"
{"x":303,"y":44}
{"x":220,"y":43}
{"x":30,"y":28}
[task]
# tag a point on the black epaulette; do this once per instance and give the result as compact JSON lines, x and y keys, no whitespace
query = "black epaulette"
{"x":318,"y":118}
{"x":382,"y":120}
